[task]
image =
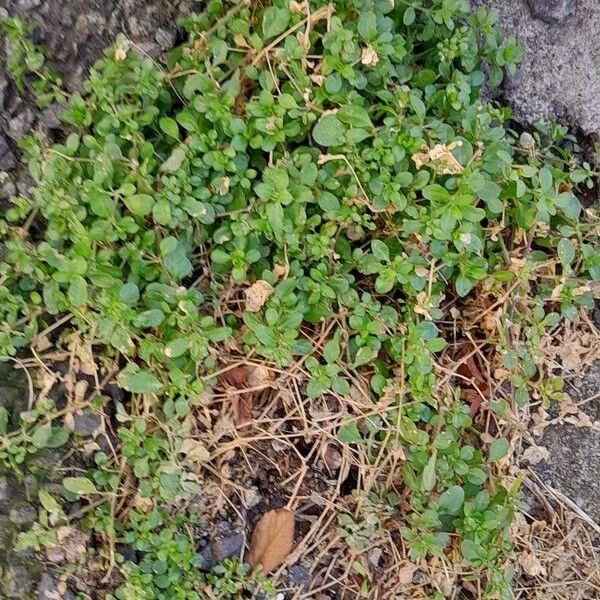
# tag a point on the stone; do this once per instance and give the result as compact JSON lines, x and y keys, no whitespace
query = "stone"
{"x":23,"y":516}
{"x":19,"y":126}
{"x":8,"y":160}
{"x":26,"y":4}
{"x":208,"y":560}
{"x":300,"y":575}
{"x":87,"y":424}
{"x":225,"y":547}
{"x":574,"y":461}
{"x":50,"y":588}
{"x":7,"y":535}
{"x":165,"y":38}
{"x":3,"y":88}
{"x":18,"y":582}
{"x":49,"y":118}
{"x":558,"y":78}
{"x":552,"y":11}
{"x":14,"y":391}
{"x":7,"y":488}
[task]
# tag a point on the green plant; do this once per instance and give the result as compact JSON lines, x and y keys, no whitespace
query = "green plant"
{"x":26,"y":63}
{"x":357,"y":175}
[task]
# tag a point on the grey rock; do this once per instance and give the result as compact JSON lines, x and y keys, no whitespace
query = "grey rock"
{"x":208,"y":560}
{"x":26,"y":4}
{"x":49,"y":118}
{"x":87,"y":424}
{"x":18,"y":581}
{"x":553,"y":11}
{"x":7,"y":536}
{"x":3,"y":87}
{"x":300,"y":575}
{"x":165,"y":38}
{"x":19,"y":126}
{"x":7,"y":488}
{"x":14,"y":391}
{"x":225,"y":547}
{"x":559,"y":78}
{"x":574,"y":461}
{"x":48,"y":589}
{"x":23,"y":515}
{"x":8,"y":160}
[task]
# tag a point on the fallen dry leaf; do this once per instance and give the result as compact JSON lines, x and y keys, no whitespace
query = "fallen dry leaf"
{"x":469,"y":369}
{"x":531,"y":564}
{"x":259,"y":376}
{"x":405,"y":574}
{"x":535,"y":454}
{"x":196,"y":451}
{"x":257,"y":294}
{"x":272,"y":540}
{"x":440,"y":159}
{"x":241,"y":403}
{"x":368,"y":56}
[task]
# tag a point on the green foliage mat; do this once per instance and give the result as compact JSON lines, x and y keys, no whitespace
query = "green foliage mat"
{"x":306,"y":184}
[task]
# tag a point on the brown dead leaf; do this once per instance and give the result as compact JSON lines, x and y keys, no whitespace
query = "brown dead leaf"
{"x":257,"y":294}
{"x":535,"y":454}
{"x":272,"y":540}
{"x":331,"y":457}
{"x":259,"y":376}
{"x":240,"y":41}
{"x":369,"y":56}
{"x":531,"y":564}
{"x":405,"y":574}
{"x":195,"y":450}
{"x":440,"y":159}
{"x":241,"y":403}
{"x":469,"y":369}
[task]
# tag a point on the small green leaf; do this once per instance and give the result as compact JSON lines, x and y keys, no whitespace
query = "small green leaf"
{"x":80,"y":486}
{"x":177,"y":347}
{"x":452,"y":500}
{"x":3,"y":420}
{"x":174,"y":162}
{"x":380,"y":250}
{"x":101,"y":203}
{"x":41,"y":436}
{"x":429,"y":476}
{"x":498,"y":449}
{"x":409,"y":16}
{"x":566,"y":251}
{"x":363,"y":355}
{"x":470,"y":550}
{"x":328,"y":131}
{"x":463,"y":285}
{"x":139,"y":382}
{"x":129,"y":293}
{"x":48,"y":502}
{"x":169,"y":126}
{"x":78,"y":291}
{"x":275,"y":21}
{"x":331,"y":350}
{"x":139,"y":204}
{"x":349,"y":433}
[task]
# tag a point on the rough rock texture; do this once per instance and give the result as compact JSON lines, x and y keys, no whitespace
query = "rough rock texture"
{"x":573,"y":466}
{"x":559,"y":77}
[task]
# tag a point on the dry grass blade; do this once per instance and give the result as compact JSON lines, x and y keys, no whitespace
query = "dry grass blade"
{"x":272,"y":540}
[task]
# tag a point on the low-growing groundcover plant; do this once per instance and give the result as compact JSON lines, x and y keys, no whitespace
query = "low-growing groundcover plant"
{"x":312,"y":185}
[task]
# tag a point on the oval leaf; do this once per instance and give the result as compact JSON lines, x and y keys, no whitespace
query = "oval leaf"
{"x":272,"y":540}
{"x":81,"y":486}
